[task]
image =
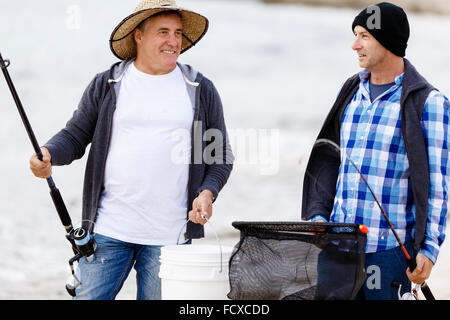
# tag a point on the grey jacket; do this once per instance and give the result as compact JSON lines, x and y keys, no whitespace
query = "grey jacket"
{"x":92,"y":123}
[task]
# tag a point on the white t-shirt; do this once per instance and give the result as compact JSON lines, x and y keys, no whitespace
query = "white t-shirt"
{"x":147,"y":168}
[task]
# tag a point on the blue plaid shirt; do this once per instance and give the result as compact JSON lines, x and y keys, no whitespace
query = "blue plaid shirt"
{"x":371,"y":136}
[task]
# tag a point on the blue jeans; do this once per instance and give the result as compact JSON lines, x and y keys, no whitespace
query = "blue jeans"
{"x":103,"y":277}
{"x":382,"y":268}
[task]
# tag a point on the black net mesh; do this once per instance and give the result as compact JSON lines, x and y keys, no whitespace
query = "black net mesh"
{"x":297,"y":261}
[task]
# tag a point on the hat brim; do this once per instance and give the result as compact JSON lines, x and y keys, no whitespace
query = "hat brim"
{"x":123,"y":45}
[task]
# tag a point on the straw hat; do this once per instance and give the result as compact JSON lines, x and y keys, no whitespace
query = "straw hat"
{"x":121,"y":40}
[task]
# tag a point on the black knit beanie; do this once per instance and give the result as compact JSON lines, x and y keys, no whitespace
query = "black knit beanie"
{"x":388,"y":24}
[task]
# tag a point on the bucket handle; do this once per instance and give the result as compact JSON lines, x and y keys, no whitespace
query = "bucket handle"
{"x":215,"y":233}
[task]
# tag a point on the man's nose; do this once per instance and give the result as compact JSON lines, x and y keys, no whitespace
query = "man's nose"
{"x":173,"y":40}
{"x":356,"y":44}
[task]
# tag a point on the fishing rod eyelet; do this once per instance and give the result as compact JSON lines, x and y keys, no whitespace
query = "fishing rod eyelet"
{"x":5,"y":63}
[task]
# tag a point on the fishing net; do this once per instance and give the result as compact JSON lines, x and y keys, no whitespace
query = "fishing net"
{"x":297,"y":261}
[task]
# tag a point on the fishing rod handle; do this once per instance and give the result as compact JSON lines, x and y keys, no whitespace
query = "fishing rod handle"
{"x":60,"y":206}
{"x":411,"y":264}
{"x":39,"y":155}
{"x":426,"y":291}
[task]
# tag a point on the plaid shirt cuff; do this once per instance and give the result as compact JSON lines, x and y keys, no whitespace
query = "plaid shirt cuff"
{"x":430,"y":252}
{"x":317,"y":217}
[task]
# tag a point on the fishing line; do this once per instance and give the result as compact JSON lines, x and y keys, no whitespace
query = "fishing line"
{"x":215,"y":233}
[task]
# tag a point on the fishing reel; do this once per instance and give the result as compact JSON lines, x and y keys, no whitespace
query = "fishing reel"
{"x":83,"y":245}
{"x":413,"y":295}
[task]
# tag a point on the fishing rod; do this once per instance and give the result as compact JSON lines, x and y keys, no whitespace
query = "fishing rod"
{"x":82,"y":243}
{"x":409,"y":261}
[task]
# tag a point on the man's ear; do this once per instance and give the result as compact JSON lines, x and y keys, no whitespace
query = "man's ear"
{"x":137,"y":35}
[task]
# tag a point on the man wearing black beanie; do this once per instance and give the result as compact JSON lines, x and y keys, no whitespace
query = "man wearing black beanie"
{"x":388,"y":24}
{"x":395,"y":126}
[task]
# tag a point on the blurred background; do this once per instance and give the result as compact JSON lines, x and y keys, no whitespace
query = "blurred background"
{"x":421,"y":6}
{"x":277,"y":66}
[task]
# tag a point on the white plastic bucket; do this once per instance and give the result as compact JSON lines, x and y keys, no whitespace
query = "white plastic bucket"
{"x":194,"y":272}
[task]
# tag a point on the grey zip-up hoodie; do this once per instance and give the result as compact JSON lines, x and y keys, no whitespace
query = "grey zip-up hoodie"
{"x":92,"y":122}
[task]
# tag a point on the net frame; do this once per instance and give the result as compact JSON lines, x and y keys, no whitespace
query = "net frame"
{"x":314,"y":233}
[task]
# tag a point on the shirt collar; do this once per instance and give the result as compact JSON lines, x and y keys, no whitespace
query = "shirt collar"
{"x":364,"y":76}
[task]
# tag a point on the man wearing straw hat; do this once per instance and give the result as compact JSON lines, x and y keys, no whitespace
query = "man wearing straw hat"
{"x":395,"y":128}
{"x":159,"y":152}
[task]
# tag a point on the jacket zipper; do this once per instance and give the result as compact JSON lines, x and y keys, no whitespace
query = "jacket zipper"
{"x":192,"y":151}
{"x":107,"y":148}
